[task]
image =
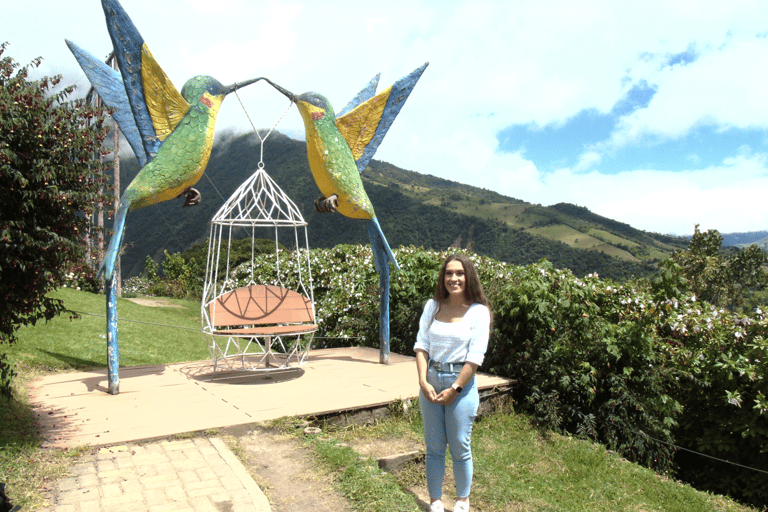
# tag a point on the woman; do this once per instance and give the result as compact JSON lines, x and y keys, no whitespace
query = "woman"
{"x":450,"y":346}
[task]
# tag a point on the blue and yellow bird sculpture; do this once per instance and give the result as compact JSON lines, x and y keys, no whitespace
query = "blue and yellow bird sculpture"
{"x":339,"y":149}
{"x":171,"y":134}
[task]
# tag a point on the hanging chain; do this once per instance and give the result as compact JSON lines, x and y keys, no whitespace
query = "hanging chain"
{"x":261,"y":139}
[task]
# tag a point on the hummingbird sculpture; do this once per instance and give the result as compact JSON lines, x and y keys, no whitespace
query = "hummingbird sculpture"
{"x":339,"y":149}
{"x":171,"y":134}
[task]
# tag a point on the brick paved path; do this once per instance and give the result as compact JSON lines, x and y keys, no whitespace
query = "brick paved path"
{"x":198,"y":474}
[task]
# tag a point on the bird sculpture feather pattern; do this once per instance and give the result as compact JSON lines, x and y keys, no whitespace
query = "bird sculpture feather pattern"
{"x":339,"y":148}
{"x":170,"y":132}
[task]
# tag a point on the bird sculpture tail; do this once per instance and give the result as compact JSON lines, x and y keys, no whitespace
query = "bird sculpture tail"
{"x":110,"y":258}
{"x":382,"y":255}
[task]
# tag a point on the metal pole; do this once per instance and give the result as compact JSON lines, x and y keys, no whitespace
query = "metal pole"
{"x":113,"y":349}
{"x":384,"y":314}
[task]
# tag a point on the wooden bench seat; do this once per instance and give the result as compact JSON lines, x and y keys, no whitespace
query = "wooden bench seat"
{"x":273,"y":330}
{"x":259,"y":315}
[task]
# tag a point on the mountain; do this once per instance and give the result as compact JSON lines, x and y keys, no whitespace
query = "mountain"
{"x":745,"y":239}
{"x":413,"y":209}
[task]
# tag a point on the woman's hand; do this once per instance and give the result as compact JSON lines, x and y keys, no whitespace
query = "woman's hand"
{"x":447,"y":396}
{"x":429,"y":391}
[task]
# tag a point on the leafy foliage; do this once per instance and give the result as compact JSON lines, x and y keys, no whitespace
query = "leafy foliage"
{"x":48,"y":179}
{"x":726,"y":280}
{"x":720,"y":362}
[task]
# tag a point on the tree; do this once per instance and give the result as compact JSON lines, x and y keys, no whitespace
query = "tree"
{"x":49,"y":184}
{"x":725,"y":280}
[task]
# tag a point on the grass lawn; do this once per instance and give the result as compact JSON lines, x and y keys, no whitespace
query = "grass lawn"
{"x":147,"y":335}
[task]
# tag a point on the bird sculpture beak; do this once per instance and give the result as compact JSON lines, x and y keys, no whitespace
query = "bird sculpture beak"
{"x":287,"y":93}
{"x":239,"y":85}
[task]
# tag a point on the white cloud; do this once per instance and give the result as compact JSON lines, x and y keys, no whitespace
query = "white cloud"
{"x":728,"y":197}
{"x":723,"y":88}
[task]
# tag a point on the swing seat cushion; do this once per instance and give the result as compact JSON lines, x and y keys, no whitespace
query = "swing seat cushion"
{"x":261,"y":310}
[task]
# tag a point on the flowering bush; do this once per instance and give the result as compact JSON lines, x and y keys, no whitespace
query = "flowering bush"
{"x":720,"y":358}
{"x":138,"y":286}
{"x":180,"y":279}
{"x":81,"y":277}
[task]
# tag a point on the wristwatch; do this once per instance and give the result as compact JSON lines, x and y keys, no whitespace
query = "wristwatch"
{"x":457,"y":387}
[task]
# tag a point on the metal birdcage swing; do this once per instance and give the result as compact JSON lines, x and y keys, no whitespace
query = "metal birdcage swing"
{"x":259,"y":316}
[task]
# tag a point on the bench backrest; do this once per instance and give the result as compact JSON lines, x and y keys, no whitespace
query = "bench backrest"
{"x":260,"y":304}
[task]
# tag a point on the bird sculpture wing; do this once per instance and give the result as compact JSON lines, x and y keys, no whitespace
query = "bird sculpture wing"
{"x":109,"y":85}
{"x":146,"y":105}
{"x":364,"y":126}
{"x":157,"y":105}
{"x":368,"y":92}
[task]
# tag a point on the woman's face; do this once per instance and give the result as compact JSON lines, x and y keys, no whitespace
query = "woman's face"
{"x":455,"y":280}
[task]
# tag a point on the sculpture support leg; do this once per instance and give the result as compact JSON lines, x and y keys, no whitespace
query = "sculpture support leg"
{"x":113,"y":348}
{"x":384,"y":314}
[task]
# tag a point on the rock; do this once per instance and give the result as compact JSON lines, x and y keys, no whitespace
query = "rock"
{"x":392,"y":463}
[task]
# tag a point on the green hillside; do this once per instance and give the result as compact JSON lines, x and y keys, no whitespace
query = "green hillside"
{"x":413,"y":209}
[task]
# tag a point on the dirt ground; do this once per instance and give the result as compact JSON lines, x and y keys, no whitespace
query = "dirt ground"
{"x":289,"y":476}
{"x":154,"y":302}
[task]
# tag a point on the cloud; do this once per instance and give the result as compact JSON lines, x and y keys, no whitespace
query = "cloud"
{"x":650,"y":72}
{"x":722,"y":89}
{"x":728,"y":197}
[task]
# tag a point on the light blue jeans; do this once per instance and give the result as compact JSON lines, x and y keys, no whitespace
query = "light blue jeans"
{"x":449,"y":425}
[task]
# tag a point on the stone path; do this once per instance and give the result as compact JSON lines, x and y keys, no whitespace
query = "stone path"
{"x":198,"y":474}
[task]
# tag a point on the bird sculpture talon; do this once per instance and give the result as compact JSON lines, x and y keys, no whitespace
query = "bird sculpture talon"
{"x":193,"y":197}
{"x":327,"y":204}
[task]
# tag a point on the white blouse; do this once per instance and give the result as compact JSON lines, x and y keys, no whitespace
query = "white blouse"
{"x":454,"y":342}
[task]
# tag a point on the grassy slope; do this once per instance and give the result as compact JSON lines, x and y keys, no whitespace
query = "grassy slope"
{"x":576,"y":227}
{"x":518,"y":466}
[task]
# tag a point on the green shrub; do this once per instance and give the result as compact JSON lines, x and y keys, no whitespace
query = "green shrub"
{"x":721,"y":362}
{"x":582,"y":363}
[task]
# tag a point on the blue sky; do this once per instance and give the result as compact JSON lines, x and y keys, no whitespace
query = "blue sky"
{"x":653,"y":113}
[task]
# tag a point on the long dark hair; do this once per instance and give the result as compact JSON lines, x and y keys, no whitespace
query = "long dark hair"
{"x":473,"y":289}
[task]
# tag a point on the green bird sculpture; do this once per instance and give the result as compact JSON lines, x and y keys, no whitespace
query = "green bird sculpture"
{"x":171,"y":133}
{"x":339,"y":149}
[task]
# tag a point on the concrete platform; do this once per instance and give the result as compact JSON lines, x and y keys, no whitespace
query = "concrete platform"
{"x":74,"y":409}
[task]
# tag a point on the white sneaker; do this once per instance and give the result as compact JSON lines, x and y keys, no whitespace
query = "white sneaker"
{"x":461,"y":506}
{"x":436,"y":506}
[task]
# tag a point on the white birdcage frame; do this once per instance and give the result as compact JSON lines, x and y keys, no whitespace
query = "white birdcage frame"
{"x":259,"y":204}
